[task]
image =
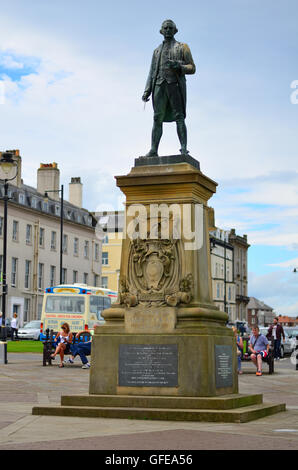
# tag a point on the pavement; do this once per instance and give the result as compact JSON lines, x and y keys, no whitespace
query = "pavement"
{"x":24,"y":382}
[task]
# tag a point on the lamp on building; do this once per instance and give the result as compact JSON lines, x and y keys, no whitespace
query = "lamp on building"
{"x":9,"y":168}
{"x":46,"y":198}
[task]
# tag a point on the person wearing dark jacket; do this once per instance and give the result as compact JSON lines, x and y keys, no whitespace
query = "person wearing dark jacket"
{"x":276,"y":331}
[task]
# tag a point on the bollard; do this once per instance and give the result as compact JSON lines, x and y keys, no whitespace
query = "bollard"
{"x":3,"y":352}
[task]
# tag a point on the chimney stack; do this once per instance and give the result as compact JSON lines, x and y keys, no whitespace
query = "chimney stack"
{"x":76,"y":192}
{"x":48,"y":180}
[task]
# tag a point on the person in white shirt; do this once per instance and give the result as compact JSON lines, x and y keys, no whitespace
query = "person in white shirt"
{"x":14,"y":327}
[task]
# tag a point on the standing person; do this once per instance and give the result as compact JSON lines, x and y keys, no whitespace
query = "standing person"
{"x":14,"y":327}
{"x":276,"y":331}
{"x":239,"y":343}
{"x":64,"y":339}
{"x":259,"y":347}
{"x":171,"y":61}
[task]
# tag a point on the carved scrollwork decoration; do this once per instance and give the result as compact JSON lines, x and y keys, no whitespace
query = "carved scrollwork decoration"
{"x":154,"y":277}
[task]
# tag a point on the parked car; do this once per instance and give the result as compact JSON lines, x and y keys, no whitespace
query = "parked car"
{"x":30,"y":330}
{"x":286,"y":346}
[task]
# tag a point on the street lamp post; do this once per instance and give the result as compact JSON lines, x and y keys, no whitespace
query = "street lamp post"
{"x":61,"y":225}
{"x":7,"y":164}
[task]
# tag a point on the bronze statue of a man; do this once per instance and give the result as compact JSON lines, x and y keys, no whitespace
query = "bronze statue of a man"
{"x":166,"y":82}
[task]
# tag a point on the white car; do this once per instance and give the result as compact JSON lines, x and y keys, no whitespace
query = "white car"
{"x":30,"y":330}
{"x":286,"y":347}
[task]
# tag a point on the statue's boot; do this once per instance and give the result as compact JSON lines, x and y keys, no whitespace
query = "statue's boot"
{"x":152,"y":153}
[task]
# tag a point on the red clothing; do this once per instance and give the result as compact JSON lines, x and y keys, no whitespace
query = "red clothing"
{"x":279,"y":331}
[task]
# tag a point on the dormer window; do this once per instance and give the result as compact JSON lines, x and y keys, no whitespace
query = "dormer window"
{"x":21,"y":198}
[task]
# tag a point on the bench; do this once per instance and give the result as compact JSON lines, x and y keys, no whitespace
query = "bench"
{"x":49,"y":345}
{"x":268,"y":360}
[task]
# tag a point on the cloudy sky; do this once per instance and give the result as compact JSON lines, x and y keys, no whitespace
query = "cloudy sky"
{"x":72,"y":74}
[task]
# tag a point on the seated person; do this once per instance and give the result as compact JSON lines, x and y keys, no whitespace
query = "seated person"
{"x":82,"y":349}
{"x":63,"y":341}
{"x":259,"y":347}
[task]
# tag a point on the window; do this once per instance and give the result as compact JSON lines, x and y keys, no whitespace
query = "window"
{"x":86,"y":249}
{"x":216,"y":269}
{"x":96,"y":251}
{"x":34,"y":202}
{"x":52,"y":275}
{"x":75,"y":277}
{"x":95,"y":280}
{"x":222,"y":271}
{"x":105,"y":240}
{"x":76,"y":246}
{"x":41,"y":237}
{"x":14,"y":267}
{"x":26,"y":310}
{"x":104,"y":282}
{"x":65,"y":304}
{"x":28,"y":234}
{"x":65,"y":243}
{"x":15,"y":230}
{"x":105,"y":258}
{"x":64,"y":275}
{"x":22,"y":198}
{"x":27,"y":274}
{"x":230,"y":293}
{"x":218,"y":290}
{"x":85,"y":278}
{"x":40,"y":275}
{"x":53,"y":240}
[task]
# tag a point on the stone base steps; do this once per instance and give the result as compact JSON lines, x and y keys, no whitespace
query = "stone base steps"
{"x":144,"y":401}
{"x":229,"y":409}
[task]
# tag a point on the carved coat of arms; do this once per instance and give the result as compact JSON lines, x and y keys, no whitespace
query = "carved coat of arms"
{"x":154,"y":275}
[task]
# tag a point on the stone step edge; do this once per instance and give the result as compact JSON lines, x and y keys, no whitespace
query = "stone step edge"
{"x":239,"y":415}
{"x":145,"y":401}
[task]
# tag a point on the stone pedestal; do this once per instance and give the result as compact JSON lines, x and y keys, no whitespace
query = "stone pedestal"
{"x":165,"y":307}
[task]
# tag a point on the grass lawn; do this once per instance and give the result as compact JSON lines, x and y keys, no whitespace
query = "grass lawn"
{"x":24,"y":346}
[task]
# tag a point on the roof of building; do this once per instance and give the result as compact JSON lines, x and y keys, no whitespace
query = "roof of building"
{"x":27,"y":196}
{"x":258,"y":304}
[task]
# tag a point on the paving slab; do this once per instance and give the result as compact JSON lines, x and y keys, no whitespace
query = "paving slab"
{"x":24,"y":382}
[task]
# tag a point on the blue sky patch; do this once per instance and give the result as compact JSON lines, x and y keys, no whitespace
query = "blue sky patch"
{"x":16,"y":67}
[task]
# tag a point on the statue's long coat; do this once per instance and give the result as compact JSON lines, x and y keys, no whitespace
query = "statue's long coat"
{"x":182,"y":54}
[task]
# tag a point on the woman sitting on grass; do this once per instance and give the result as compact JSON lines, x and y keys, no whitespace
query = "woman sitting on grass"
{"x":64,"y":340}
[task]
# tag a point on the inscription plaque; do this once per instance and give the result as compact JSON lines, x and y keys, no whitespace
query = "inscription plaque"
{"x":148,"y":365}
{"x":223,"y":366}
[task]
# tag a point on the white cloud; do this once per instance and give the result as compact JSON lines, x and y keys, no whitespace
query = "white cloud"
{"x":8,"y":62}
{"x":277,"y":289}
